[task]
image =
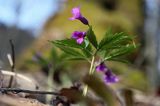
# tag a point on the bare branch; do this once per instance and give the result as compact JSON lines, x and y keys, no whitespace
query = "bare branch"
{"x":17,"y":90}
{"x":12,"y":62}
{"x":13,"y":53}
{"x":1,"y":78}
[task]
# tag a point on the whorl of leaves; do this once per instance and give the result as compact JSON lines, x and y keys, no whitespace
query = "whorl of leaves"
{"x":113,"y":47}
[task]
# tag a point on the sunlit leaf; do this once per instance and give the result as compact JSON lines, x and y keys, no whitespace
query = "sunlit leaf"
{"x":88,"y":49}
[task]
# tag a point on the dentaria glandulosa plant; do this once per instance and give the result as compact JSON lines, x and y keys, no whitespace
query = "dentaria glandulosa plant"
{"x":84,"y":45}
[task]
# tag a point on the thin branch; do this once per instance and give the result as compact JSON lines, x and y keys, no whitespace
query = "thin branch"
{"x":1,"y":78}
{"x":13,"y":54}
{"x":13,"y":62}
{"x":17,"y":90}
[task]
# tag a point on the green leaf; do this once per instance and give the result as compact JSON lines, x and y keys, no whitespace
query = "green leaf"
{"x":120,"y":52}
{"x":86,"y":42}
{"x":119,"y":60}
{"x":69,"y":50}
{"x":86,"y":53}
{"x":70,"y":43}
{"x":104,"y":40}
{"x":85,"y":46}
{"x":88,"y":49}
{"x":111,"y":41}
{"x":76,"y":58}
{"x":114,"y":46}
{"x":91,"y":37}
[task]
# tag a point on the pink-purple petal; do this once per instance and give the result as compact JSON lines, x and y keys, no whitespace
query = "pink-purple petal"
{"x":80,"y":40}
{"x":72,"y":18}
{"x":109,"y":77}
{"x":78,"y":36}
{"x":77,"y":15}
{"x":76,"y":12}
{"x":75,"y":35}
{"x":101,"y":67}
{"x":84,"y":34}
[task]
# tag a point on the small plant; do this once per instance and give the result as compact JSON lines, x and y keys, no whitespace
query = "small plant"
{"x":83,"y":45}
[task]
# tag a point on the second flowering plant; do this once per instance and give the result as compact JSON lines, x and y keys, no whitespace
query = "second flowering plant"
{"x":83,"y":45}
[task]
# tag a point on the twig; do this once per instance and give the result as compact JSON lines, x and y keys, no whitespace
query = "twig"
{"x":17,"y":90}
{"x":1,"y":78}
{"x":13,"y":53}
{"x":12,"y":63}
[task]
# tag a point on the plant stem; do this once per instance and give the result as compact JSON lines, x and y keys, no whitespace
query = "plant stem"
{"x":85,"y":90}
{"x":91,"y":67}
{"x":50,"y":83}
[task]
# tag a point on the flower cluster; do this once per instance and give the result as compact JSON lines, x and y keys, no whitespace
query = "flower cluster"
{"x":78,"y":35}
{"x":109,"y":77}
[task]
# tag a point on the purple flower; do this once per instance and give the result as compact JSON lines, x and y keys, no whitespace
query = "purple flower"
{"x":101,"y":67}
{"x":79,"y":36}
{"x":109,"y":77}
{"x":77,"y":15}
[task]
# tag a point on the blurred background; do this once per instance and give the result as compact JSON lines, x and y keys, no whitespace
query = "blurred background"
{"x":31,"y":23}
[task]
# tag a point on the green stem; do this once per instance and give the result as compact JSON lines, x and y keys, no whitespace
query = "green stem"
{"x":92,"y":72}
{"x":91,"y":67}
{"x":85,"y":90}
{"x":50,"y":83}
